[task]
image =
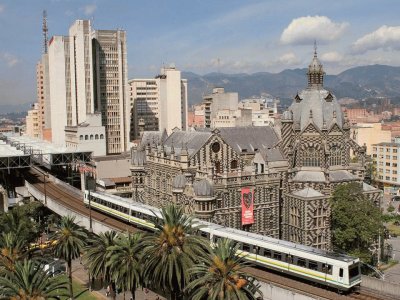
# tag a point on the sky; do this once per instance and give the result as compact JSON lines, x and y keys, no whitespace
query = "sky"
{"x":204,"y":36}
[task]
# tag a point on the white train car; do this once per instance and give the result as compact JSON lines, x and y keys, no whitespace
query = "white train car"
{"x":326,"y":268}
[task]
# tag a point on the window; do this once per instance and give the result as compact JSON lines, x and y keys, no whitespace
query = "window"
{"x":340,"y":272}
{"x":215,"y":147}
{"x":234,"y":164}
{"x":101,"y":136}
{"x":320,"y":217}
{"x":294,"y":216}
{"x":301,"y":262}
{"x":311,"y":158}
{"x":335,"y":158}
{"x":91,"y":137}
{"x":86,"y":137}
{"x":387,"y":177}
{"x":327,"y":269}
{"x":81,"y":137}
{"x":313,"y":265}
{"x":96,"y":137}
{"x":277,"y":255}
{"x":217,"y":167}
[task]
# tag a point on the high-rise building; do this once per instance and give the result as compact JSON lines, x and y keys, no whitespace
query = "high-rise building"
{"x":42,"y":88}
{"x":159,"y":103}
{"x":111,"y":87}
{"x":218,"y":100}
{"x":33,"y":122}
{"x":88,"y":75}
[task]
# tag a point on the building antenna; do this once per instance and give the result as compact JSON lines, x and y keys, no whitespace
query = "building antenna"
{"x":45,"y":31}
{"x":315,"y":48}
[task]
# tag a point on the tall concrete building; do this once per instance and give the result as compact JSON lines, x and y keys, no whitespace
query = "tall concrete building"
{"x":110,"y":87}
{"x":88,"y":75}
{"x":159,"y":103}
{"x":33,"y":122}
{"x":218,"y":100}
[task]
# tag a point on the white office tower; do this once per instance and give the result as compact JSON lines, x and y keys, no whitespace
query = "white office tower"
{"x":173,"y":100}
{"x":80,"y":52}
{"x":60,"y":88}
{"x":159,"y":103}
{"x":88,"y":75}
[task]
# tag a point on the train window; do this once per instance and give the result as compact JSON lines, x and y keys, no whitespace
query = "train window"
{"x":255,"y":249}
{"x":313,"y":265}
{"x":354,"y":271}
{"x":203,"y":234}
{"x":246,"y":247}
{"x":301,"y":262}
{"x":277,"y":255}
{"x":289,"y":259}
{"x":327,"y":269}
{"x":267,"y":253}
{"x":340,"y":272}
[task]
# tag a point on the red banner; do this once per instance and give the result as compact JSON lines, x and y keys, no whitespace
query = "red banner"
{"x":247,"y":206}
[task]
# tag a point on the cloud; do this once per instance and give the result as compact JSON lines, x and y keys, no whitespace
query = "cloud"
{"x":385,"y":37}
{"x":89,"y":9}
{"x":333,"y":57}
{"x":305,"y":30}
{"x":10,"y":59}
{"x":287,"y":59}
{"x":2,"y":8}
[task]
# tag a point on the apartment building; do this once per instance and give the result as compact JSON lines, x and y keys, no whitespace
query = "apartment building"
{"x":159,"y":103}
{"x":34,"y":122}
{"x":386,"y":158}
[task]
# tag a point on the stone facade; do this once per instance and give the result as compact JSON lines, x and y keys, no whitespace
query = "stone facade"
{"x":292,"y":174}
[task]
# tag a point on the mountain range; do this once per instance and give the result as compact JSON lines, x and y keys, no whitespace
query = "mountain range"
{"x":358,"y":83}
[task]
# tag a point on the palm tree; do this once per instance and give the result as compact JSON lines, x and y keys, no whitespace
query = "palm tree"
{"x":123,"y":261}
{"x":30,"y":281}
{"x":96,"y":253}
{"x":169,"y":252}
{"x":220,"y":276}
{"x":12,"y":249}
{"x":69,"y":241}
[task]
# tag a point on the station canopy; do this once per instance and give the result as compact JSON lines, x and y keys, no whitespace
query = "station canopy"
{"x":45,"y":153}
{"x":11,"y":158}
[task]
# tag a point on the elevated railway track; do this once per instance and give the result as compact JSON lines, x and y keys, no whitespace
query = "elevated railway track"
{"x":73,"y":200}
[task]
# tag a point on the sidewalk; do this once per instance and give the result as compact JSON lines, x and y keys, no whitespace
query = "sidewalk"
{"x":80,"y":274}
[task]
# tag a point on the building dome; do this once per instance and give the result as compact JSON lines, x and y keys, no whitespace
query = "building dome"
{"x":315,"y":104}
{"x":203,"y":188}
{"x":179,"y":181}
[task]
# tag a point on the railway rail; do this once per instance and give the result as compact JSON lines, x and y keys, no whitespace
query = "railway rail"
{"x":74,"y":201}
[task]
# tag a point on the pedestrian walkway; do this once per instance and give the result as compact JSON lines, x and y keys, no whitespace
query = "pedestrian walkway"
{"x":80,"y":274}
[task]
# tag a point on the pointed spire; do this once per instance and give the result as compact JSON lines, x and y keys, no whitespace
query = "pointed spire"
{"x":315,"y":71}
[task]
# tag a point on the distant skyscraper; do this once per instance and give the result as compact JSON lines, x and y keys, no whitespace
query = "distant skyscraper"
{"x":159,"y":103}
{"x":88,"y":74}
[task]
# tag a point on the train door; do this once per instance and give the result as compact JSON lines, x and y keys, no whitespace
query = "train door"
{"x":341,"y":275}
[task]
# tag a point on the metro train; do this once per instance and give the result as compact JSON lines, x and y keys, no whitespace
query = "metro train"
{"x":326,"y":268}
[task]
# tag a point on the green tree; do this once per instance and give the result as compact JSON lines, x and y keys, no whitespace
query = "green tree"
{"x":69,"y":240}
{"x":170,"y":251}
{"x":96,"y":254}
{"x":220,"y":276}
{"x":124,"y":264}
{"x":356,"y":221}
{"x":12,"y":249}
{"x":28,"y":281}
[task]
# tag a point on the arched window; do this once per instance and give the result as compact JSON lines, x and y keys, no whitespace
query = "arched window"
{"x":81,"y":137}
{"x":311,"y":157}
{"x":217,"y":167}
{"x":86,"y":137}
{"x":234,"y":164}
{"x":294,"y":216}
{"x":335,"y":159}
{"x":101,"y":136}
{"x":91,"y":137}
{"x":96,"y":137}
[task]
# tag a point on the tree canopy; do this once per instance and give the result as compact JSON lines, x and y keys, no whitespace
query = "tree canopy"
{"x":356,"y":221}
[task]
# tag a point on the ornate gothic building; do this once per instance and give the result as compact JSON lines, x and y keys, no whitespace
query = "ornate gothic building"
{"x":250,"y":178}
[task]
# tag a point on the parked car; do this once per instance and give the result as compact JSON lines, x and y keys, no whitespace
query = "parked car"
{"x":396,"y":198}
